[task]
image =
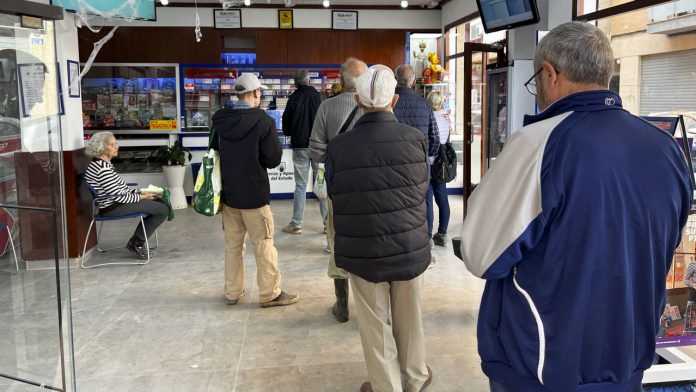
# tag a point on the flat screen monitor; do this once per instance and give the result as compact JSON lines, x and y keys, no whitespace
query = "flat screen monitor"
{"x":506,"y":14}
{"x":138,"y":9}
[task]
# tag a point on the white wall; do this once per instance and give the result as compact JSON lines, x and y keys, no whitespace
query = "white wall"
{"x":302,"y":18}
{"x":457,"y":9}
{"x":67,"y":49}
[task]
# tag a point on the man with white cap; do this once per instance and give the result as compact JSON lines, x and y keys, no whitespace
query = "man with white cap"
{"x":248,"y":144}
{"x":377,"y":179}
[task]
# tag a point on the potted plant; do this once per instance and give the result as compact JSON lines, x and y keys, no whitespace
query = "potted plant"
{"x":175,"y":171}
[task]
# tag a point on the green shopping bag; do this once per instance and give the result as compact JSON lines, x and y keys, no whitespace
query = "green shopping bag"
{"x":166,"y":198}
{"x":206,"y":192}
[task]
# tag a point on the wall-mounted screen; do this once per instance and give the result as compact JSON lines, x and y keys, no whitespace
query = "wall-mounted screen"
{"x":506,"y":14}
{"x":137,"y":9}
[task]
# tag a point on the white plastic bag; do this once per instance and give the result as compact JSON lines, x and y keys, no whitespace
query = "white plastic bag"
{"x":320,"y":184}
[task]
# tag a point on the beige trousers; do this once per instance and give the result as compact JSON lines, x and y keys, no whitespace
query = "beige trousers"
{"x":334,"y":272}
{"x":259,"y":224}
{"x":391,"y":330}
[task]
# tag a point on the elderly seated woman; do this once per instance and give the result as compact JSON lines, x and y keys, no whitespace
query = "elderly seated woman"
{"x":115,"y":198}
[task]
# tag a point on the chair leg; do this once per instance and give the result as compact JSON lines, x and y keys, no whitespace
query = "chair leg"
{"x":84,"y":248}
{"x":99,"y":230}
{"x":9,"y":235}
{"x":147,"y":242}
{"x":156,"y":241}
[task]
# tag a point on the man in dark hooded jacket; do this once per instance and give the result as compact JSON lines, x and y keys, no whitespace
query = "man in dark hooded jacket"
{"x":248,"y":145}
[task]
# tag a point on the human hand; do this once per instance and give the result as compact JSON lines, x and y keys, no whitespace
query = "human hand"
{"x":147,"y":196}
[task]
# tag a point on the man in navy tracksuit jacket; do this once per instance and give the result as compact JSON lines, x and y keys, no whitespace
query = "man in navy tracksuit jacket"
{"x":590,"y":202}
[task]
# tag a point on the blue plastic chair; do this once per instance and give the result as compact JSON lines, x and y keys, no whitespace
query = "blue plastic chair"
{"x":9,"y":235}
{"x":96,"y":217}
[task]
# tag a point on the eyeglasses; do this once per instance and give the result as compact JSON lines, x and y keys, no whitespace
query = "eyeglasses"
{"x":530,"y":85}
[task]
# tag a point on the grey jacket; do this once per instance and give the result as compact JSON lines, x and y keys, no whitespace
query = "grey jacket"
{"x":331,"y":115}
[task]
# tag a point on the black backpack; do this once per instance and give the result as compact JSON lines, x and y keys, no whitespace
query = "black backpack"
{"x":445,"y":166}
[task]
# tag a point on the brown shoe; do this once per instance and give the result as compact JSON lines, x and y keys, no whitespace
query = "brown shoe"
{"x":282,"y":300}
{"x":429,"y":380}
{"x":366,"y":387}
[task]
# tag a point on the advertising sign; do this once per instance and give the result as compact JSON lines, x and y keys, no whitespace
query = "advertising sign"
{"x":163,"y":125}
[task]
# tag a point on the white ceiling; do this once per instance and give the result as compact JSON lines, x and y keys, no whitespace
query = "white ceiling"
{"x":382,"y":3}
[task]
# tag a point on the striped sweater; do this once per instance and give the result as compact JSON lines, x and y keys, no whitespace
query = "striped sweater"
{"x":108,"y":185}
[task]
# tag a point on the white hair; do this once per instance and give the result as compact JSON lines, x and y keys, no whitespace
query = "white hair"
{"x":348,"y":69}
{"x":95,"y":146}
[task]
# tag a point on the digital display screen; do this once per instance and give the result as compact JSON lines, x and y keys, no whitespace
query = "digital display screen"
{"x":506,"y":14}
{"x":137,"y":9}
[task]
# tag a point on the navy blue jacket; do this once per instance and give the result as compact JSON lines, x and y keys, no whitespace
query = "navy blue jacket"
{"x":415,"y":111}
{"x":574,"y":229}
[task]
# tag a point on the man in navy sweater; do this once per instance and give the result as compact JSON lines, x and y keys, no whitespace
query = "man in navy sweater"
{"x":415,"y":111}
{"x":585,"y":206}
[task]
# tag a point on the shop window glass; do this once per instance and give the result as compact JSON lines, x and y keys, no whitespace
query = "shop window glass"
{"x":655,"y":53}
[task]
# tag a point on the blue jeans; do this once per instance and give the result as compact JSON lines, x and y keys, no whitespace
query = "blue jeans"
{"x":301,"y":162}
{"x":495,"y":387}
{"x":438,"y":189}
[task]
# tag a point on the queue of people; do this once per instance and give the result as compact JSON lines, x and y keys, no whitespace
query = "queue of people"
{"x":583,"y":231}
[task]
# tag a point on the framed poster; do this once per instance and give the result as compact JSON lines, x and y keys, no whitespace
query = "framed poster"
{"x":227,"y":19}
{"x":344,"y":20}
{"x":285,"y":19}
{"x":31,"y":86}
{"x":73,"y":75}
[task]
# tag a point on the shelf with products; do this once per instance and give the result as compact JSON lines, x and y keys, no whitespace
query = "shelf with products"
{"x":209,"y":88}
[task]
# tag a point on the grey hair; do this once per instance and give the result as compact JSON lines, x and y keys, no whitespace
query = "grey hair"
{"x":436,"y":99}
{"x":405,"y":76}
{"x":301,"y":78}
{"x":95,"y":146}
{"x":348,"y":74}
{"x":579,"y":51}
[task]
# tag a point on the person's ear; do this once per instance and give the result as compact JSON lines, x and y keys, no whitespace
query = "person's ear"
{"x":551,"y":73}
{"x":395,"y":99}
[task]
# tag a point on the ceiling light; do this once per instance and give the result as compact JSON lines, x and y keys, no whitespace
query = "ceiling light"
{"x":247,"y":2}
{"x":404,"y":3}
{"x":326,"y":3}
{"x":164,"y":2}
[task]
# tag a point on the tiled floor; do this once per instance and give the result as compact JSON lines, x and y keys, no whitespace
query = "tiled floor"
{"x":165,"y":326}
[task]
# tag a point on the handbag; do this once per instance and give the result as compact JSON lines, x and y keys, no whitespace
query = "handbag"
{"x":206,"y":192}
{"x":445,"y":166}
{"x":208,"y":186}
{"x":320,"y":184}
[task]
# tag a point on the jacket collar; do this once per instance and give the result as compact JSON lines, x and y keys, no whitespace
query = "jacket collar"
{"x":586,"y":101}
{"x":376,"y":117}
{"x":404,"y":90}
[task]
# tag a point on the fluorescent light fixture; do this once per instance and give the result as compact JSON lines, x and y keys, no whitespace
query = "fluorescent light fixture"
{"x":326,"y":3}
{"x":404,"y":4}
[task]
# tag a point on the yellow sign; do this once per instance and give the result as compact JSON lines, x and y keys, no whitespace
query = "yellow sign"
{"x":163,"y":125}
{"x":285,"y":19}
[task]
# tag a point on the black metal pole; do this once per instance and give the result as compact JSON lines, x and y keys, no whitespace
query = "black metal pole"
{"x":44,"y":386}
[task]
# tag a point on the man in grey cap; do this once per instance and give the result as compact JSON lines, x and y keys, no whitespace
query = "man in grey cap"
{"x":248,"y":144}
{"x":377,"y":176}
{"x":337,"y":114}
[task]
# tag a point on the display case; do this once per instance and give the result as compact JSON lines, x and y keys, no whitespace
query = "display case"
{"x":139,"y":103}
{"x":209,"y":88}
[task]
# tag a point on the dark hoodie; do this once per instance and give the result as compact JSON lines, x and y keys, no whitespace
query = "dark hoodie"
{"x":248,"y":145}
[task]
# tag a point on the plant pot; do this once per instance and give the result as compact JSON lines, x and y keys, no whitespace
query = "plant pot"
{"x":175,"y":182}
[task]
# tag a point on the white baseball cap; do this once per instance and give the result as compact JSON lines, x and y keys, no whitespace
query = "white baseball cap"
{"x":376,"y":86}
{"x":248,"y":82}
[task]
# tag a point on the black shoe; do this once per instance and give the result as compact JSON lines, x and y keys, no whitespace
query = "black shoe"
{"x":137,"y":246}
{"x":340,"y":308}
{"x":440,"y":239}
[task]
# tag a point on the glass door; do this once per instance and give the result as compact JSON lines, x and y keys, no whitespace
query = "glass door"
{"x":36,"y":343}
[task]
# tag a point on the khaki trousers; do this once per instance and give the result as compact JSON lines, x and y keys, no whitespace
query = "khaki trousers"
{"x":259,"y":224}
{"x":334,"y":272}
{"x":391,"y":330}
